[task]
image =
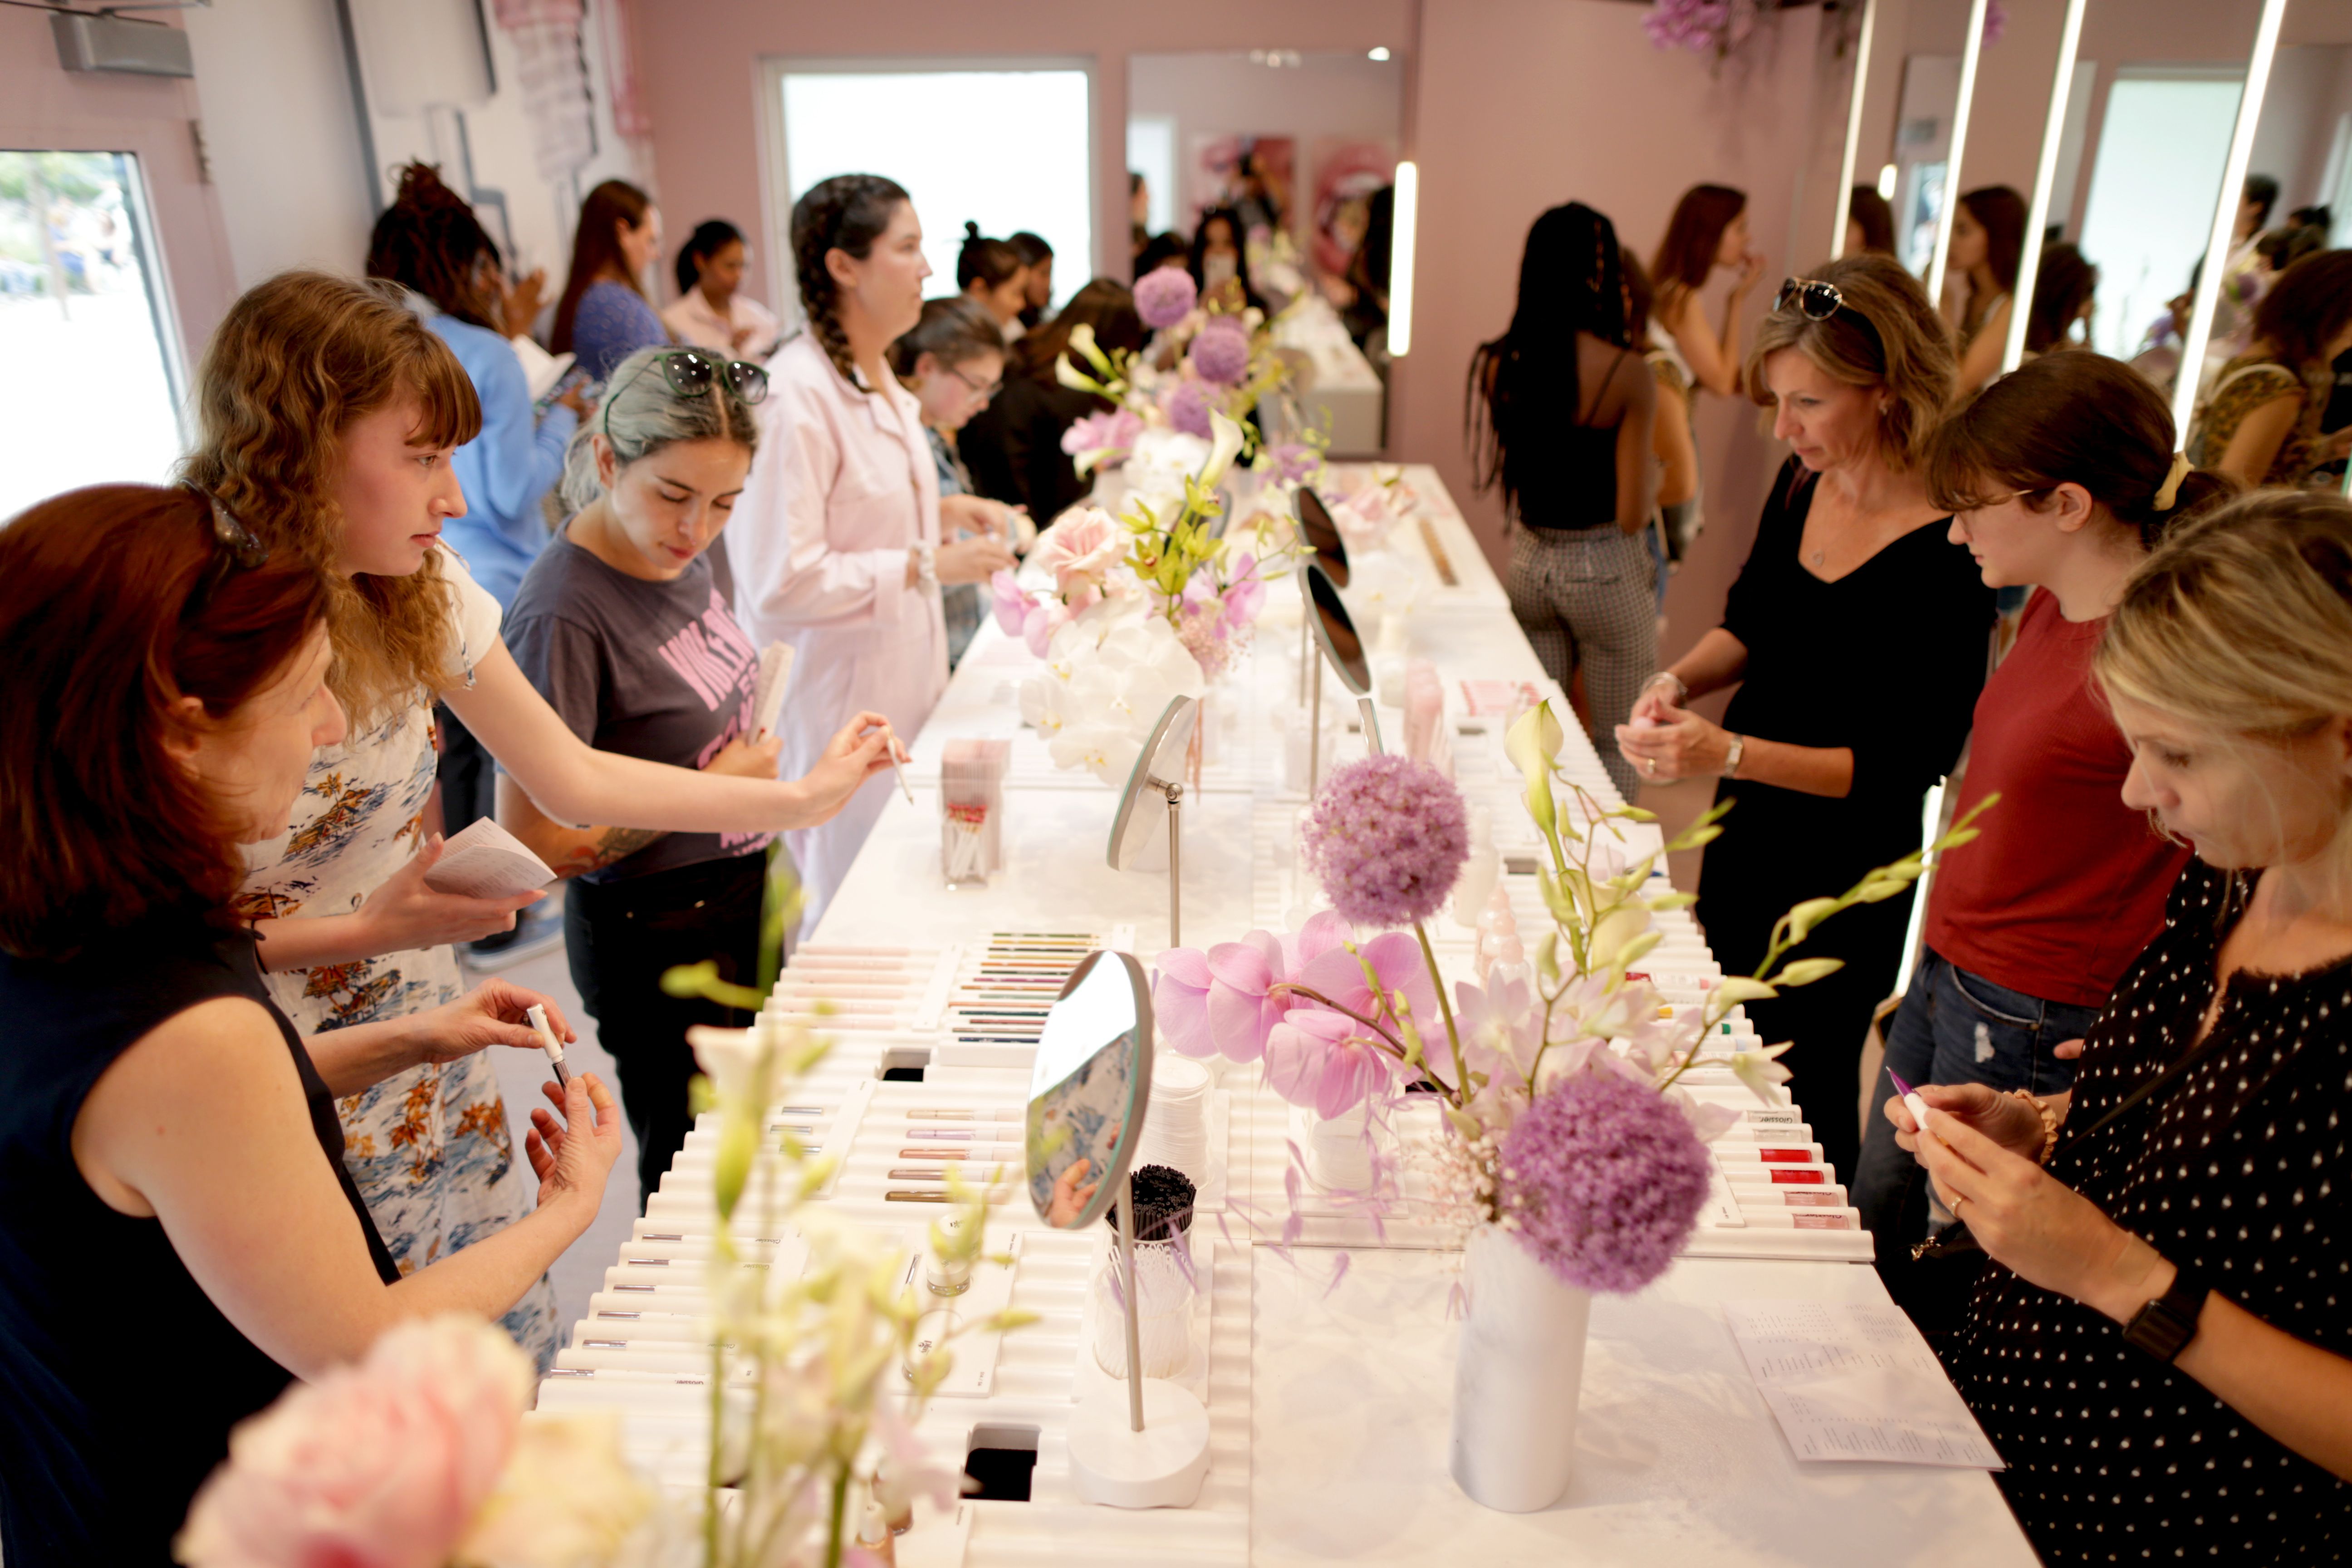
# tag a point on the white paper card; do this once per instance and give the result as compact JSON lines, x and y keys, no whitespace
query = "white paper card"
{"x":1850,"y":1380}
{"x":540,"y":370}
{"x":486,"y":861}
{"x":768,"y":697}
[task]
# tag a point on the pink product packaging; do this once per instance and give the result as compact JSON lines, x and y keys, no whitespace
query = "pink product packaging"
{"x":1424,"y":710}
{"x":971,"y":809}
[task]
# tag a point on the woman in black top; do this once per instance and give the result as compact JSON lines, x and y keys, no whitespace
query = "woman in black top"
{"x":1856,"y":634}
{"x":1559,"y":412}
{"x":2159,"y":1350}
{"x":1014,"y":447}
{"x":178,"y":1236}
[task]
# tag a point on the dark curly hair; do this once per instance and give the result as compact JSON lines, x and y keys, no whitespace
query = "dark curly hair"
{"x":430,"y":240}
{"x":848,"y":214}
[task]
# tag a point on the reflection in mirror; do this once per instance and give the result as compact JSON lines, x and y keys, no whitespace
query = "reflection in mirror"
{"x":1322,"y":535}
{"x":1275,"y":169}
{"x":1335,"y":632}
{"x":1089,"y":1090}
{"x":1159,"y":768}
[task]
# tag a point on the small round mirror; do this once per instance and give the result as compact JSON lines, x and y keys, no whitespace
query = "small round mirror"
{"x":1143,"y":807}
{"x":1335,"y":630}
{"x":1322,"y":535}
{"x":1089,"y":1090}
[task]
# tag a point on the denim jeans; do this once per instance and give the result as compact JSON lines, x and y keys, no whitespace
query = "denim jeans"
{"x":1953,"y":1028}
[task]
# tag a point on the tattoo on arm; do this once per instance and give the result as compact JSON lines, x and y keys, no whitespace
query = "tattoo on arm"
{"x":610,"y":844}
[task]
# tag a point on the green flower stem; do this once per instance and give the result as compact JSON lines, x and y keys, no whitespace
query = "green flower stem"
{"x":1395,"y":1047}
{"x":840,"y":1507}
{"x":1437,"y":984}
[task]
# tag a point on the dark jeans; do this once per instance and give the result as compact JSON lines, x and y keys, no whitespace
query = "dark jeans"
{"x":1953,"y":1028}
{"x":620,"y":937}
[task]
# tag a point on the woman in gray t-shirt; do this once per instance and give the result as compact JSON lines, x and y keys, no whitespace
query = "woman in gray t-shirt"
{"x":623,"y":625}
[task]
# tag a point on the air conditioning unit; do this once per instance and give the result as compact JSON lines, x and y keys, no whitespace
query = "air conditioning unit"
{"x":86,"y":42}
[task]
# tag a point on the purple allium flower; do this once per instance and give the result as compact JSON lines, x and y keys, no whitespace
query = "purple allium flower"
{"x":1221,"y":351}
{"x":1387,"y":838}
{"x":1165,"y":296}
{"x":1187,"y":409}
{"x":1604,"y":1178}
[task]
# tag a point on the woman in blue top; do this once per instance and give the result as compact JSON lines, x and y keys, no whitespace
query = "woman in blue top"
{"x":604,"y":316}
{"x":429,"y":242}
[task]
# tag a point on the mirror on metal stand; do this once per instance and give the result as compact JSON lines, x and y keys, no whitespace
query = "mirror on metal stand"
{"x":1089,"y":1093}
{"x":1158,"y":773}
{"x":1320,"y":535}
{"x":1335,"y":631}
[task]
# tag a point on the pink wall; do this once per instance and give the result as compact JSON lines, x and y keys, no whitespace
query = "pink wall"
{"x":1517,"y":105}
{"x":1528,"y":103}
{"x":44,"y":106}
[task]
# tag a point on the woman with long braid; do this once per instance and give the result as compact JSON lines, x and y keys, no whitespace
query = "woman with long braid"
{"x":836,"y":538}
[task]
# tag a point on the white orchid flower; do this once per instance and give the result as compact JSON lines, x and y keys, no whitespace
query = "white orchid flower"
{"x":1761,"y":1072}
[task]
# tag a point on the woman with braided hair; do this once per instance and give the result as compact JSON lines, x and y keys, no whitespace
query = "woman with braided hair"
{"x":1561,"y":422}
{"x":836,"y":545}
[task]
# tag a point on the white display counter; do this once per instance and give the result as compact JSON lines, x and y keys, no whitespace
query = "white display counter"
{"x":1329,"y":1407}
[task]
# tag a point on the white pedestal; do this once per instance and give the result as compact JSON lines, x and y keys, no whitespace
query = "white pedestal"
{"x":1161,"y":1466}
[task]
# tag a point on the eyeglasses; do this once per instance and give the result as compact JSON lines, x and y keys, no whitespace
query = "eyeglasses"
{"x":1818,"y":302}
{"x":987,"y":389}
{"x":692,"y":373}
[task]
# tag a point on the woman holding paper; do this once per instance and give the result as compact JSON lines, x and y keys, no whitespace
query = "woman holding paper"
{"x":2160,"y":1354}
{"x":327,"y":415}
{"x":623,"y":625}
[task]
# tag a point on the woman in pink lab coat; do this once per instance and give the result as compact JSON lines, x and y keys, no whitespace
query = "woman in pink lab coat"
{"x":836,"y":539}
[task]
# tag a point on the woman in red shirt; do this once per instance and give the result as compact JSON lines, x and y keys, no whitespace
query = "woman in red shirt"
{"x":2060,"y":476}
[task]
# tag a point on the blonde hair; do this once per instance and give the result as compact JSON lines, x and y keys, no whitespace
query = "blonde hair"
{"x":641,"y":415}
{"x":2240,"y":621}
{"x":1887,"y":334}
{"x":294,"y":363}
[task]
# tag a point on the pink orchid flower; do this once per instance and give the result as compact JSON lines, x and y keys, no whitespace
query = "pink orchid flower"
{"x":1011,"y":602}
{"x":1323,"y":1060}
{"x":1244,"y":596}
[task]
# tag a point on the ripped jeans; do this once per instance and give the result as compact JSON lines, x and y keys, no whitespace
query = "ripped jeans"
{"x":1953,"y":1028}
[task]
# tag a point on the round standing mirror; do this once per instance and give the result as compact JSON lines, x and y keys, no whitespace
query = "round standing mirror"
{"x":1158,"y":767}
{"x":1335,"y":631}
{"x":1089,"y":1090}
{"x":1322,"y":535}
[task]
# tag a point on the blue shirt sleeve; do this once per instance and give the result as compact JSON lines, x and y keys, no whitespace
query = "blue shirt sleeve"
{"x":612,"y":323}
{"x":521,"y":451}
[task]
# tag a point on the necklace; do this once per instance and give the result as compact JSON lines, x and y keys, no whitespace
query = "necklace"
{"x":1820,"y":556}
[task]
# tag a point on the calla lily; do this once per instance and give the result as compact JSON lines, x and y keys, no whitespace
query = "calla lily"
{"x":1071,"y":376}
{"x":1226,"y":440}
{"x":1082,"y":339}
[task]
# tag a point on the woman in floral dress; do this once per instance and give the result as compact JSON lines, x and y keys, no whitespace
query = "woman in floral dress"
{"x":328,"y":413}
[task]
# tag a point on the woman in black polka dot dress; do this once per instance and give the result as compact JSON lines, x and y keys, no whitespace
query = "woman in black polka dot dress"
{"x":2160,"y":1354}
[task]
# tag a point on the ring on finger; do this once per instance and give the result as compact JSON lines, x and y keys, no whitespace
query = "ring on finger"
{"x":1957,"y":1203}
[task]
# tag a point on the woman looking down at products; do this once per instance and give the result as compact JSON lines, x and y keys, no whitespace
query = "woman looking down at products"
{"x":1988,"y":242}
{"x":327,"y":414}
{"x":624,"y":627}
{"x":2059,"y":475}
{"x":953,"y":362}
{"x":2260,"y":423}
{"x":1857,"y":635}
{"x":837,"y":545}
{"x":169,"y":1145}
{"x":2159,"y":1352}
{"x":1559,"y":414}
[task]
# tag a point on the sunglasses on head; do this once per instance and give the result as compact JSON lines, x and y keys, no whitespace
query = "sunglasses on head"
{"x":691,"y":373}
{"x":1818,"y":302}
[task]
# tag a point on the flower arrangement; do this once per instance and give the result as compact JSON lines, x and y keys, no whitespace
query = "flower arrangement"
{"x":421,"y":1455}
{"x":1559,"y":1087}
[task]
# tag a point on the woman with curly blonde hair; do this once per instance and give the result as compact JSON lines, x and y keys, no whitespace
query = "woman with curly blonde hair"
{"x":328,"y":414}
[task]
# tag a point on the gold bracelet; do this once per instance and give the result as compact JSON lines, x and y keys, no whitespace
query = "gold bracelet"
{"x":2049,"y":1125}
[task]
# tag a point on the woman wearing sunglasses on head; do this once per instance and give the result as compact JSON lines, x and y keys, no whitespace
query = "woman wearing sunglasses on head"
{"x":328,"y":413}
{"x":1856,"y":633}
{"x":623,"y":625}
{"x":183,"y":1239}
{"x":840,"y":551}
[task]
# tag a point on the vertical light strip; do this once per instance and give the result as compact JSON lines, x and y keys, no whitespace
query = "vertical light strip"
{"x":2225,"y":217}
{"x":2045,"y":179}
{"x":1407,"y":214}
{"x":1961,"y":105}
{"x":1841,"y":207}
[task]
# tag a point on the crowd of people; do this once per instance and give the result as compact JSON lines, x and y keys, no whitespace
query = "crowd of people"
{"x":390,"y":567}
{"x":2119,"y":1220}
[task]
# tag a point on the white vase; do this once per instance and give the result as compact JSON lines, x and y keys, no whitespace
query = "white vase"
{"x":1517,"y":1377}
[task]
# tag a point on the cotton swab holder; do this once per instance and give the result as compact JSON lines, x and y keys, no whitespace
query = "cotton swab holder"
{"x":972,"y":810}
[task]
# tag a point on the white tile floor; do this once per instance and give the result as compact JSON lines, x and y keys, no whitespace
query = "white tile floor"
{"x":581,"y":1270}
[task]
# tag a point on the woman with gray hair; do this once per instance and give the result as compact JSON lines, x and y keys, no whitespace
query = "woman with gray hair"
{"x":623,"y":625}
{"x":1856,"y":634}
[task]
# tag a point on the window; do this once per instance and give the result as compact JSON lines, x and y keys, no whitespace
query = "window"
{"x":1151,"y":153}
{"x":90,"y":396}
{"x":1007,"y":145}
{"x":2159,"y":171}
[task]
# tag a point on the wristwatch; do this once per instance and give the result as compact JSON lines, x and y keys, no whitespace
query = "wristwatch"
{"x":2165,"y":1326}
{"x":1731,"y":758}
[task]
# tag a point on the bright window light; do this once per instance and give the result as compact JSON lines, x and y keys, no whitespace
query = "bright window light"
{"x":2160,"y":164}
{"x":1151,"y":153}
{"x":944,"y":135}
{"x":1407,"y":207}
{"x":1378,"y":52}
{"x":1887,"y":176}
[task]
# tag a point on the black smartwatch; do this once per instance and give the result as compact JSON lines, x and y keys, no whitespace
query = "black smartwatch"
{"x":2165,"y":1326}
